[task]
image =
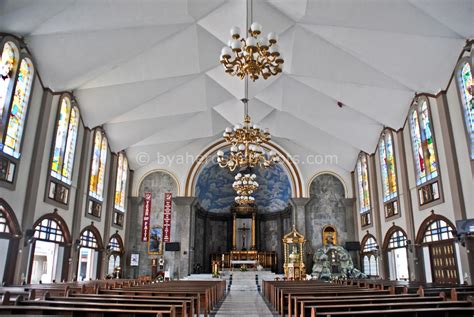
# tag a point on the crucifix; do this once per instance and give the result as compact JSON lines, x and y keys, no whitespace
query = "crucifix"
{"x":244,"y":230}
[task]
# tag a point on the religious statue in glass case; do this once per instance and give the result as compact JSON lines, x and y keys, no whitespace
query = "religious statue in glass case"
{"x":294,"y":267}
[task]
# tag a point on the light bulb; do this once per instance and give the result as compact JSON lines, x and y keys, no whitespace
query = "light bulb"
{"x":235,"y":31}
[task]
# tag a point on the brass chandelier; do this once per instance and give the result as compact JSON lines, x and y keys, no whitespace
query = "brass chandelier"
{"x":253,"y":56}
{"x":245,"y":185}
{"x":246,"y":145}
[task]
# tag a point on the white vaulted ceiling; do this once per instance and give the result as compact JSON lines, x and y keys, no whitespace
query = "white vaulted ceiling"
{"x":148,"y":70}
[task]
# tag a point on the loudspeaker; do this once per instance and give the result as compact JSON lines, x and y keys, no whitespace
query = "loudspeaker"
{"x":172,"y":246}
{"x":352,"y":246}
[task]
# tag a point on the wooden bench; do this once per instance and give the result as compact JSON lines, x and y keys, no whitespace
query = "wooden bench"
{"x":420,"y":312}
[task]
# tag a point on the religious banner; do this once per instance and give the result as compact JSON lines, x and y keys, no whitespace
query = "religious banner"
{"x":146,"y":217}
{"x":167,"y":217}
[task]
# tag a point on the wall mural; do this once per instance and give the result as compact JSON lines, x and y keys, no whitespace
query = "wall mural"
{"x":215,"y":193}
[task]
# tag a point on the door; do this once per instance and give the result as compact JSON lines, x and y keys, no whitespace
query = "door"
{"x":443,"y":262}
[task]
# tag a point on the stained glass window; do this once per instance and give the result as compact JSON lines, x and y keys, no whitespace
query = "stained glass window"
{"x":8,"y":62}
{"x":423,"y":143}
{"x":65,"y":142}
{"x":49,"y":230}
{"x":99,"y":161}
{"x":121,"y":183}
{"x":465,"y":84}
{"x":363,"y":181}
{"x":89,"y":240}
{"x":16,"y":120}
{"x":387,"y":165}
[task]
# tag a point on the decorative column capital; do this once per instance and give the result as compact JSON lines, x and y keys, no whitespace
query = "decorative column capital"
{"x":300,"y":201}
{"x":184,"y":200}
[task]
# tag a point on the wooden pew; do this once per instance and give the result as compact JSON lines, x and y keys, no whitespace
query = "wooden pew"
{"x":417,"y":312}
{"x":83,"y":312}
{"x":299,"y":302}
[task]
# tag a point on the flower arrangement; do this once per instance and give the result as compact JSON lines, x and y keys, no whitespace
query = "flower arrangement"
{"x":243,"y":268}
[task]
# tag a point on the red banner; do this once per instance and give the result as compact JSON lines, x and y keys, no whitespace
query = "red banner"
{"x":146,"y":217}
{"x":167,"y":217}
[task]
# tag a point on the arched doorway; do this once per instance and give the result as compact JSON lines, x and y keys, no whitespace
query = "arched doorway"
{"x":9,"y":240}
{"x":437,"y":239}
{"x":90,"y":254}
{"x":370,"y":255}
{"x":115,"y":252}
{"x":51,"y":247}
{"x":396,"y":250}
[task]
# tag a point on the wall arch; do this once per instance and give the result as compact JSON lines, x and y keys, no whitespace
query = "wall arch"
{"x":206,"y":154}
{"x":137,"y":190}
{"x":308,"y":185}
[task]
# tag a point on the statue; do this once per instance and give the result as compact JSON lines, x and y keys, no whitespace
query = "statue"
{"x":333,"y":261}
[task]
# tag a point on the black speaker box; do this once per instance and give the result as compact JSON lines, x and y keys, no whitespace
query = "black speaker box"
{"x":352,"y":246}
{"x":172,"y":246}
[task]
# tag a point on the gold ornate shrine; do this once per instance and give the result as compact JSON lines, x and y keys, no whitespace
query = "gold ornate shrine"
{"x":293,"y":243}
{"x":329,"y":235}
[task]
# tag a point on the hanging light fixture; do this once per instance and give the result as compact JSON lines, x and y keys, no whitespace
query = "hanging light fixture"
{"x":246,"y":145}
{"x":245,"y":185}
{"x":252,"y":56}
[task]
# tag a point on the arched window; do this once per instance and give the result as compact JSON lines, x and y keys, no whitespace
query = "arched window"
{"x":389,"y":173}
{"x":363,"y":186}
{"x":16,"y":117}
{"x":49,"y":230}
{"x":97,"y":173}
{"x":90,"y":246}
{"x":424,"y":153}
{"x":62,"y":161}
{"x":8,"y":66}
{"x":438,"y":230}
{"x":396,"y":245}
{"x":65,"y":142}
{"x":115,"y":251}
{"x":50,"y":240}
{"x":16,"y":78}
{"x":370,"y":254}
{"x":4,"y":226}
{"x":121,"y":184}
{"x":465,"y":85}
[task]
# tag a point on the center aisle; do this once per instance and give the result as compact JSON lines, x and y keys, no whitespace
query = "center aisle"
{"x":243,"y":299}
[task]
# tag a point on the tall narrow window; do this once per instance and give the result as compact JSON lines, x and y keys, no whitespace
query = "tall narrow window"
{"x":120,"y":190}
{"x":389,"y":174}
{"x":370,"y":254}
{"x":18,"y":109}
{"x":121,"y":184}
{"x":426,"y":164}
{"x":97,"y":173}
{"x":16,"y":77}
{"x":8,"y":65}
{"x":364,"y":193}
{"x":62,"y":161}
{"x":465,"y":89}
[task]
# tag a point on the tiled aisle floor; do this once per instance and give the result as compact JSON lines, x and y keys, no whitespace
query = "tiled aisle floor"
{"x":244,"y":303}
{"x":243,"y":298}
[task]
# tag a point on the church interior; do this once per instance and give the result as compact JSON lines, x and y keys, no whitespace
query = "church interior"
{"x":237,"y":157}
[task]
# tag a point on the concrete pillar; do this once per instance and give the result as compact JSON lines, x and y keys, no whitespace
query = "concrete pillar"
{"x":299,"y":213}
{"x":184,"y":234}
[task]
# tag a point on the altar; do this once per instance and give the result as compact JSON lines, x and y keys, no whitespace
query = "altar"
{"x":244,"y":251}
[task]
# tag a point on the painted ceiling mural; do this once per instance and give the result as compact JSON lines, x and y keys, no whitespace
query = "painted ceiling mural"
{"x":215,"y":193}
